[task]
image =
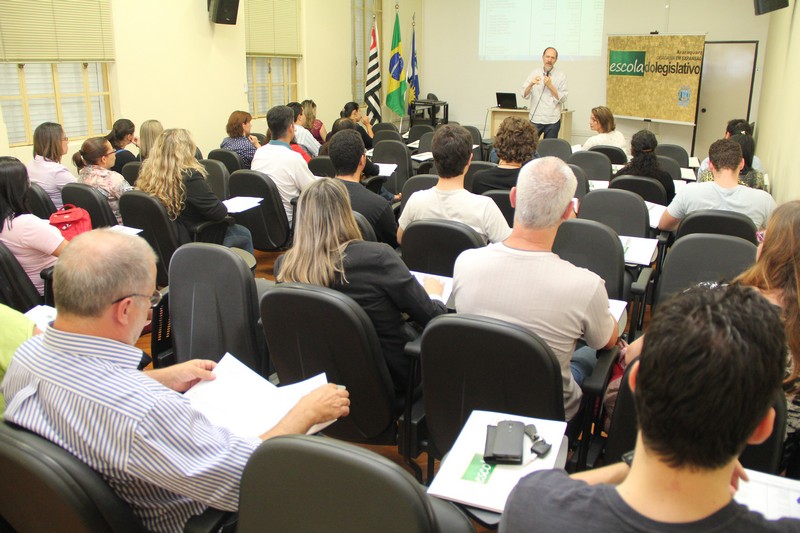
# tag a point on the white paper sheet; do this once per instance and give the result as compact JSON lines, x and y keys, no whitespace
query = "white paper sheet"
{"x":414,"y":144}
{"x":617,"y":307}
{"x":773,"y":496}
{"x":386,"y":169}
{"x":237,"y":204}
{"x":446,"y":281}
{"x":576,"y":148}
{"x":127,"y":230}
{"x":694,"y":162}
{"x":41,"y":315}
{"x":424,"y":156}
{"x":370,"y":152}
{"x":655,"y":211}
{"x":597,"y":184}
{"x":244,"y":402}
{"x":688,"y":174}
{"x":639,"y":251}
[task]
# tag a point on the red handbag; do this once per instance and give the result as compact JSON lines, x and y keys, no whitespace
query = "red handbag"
{"x":71,"y":221}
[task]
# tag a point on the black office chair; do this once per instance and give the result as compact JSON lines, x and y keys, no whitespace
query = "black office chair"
{"x":474,"y":167}
{"x":267,"y":222}
{"x":386,"y":135}
{"x":395,"y":152}
{"x":218,"y":178}
{"x":131,"y":171}
{"x":434,"y":110}
{"x":477,"y":139}
{"x":417,"y":131}
{"x":623,"y":211}
{"x":213,"y":306}
{"x":229,"y":158}
{"x":503,"y":200}
{"x":384,"y":126}
{"x":427,"y":167}
{"x":596,"y":165}
{"x":650,"y":189}
{"x":46,"y":488}
{"x":676,"y":152}
{"x":16,"y":289}
{"x":718,"y":222}
{"x":370,"y":492}
{"x":40,"y":202}
{"x":322,"y":166}
{"x":420,"y":182}
{"x":425,"y":141}
{"x":91,"y":199}
{"x":582,"y":189}
{"x":432,"y":246}
{"x":559,"y":148}
{"x":367,"y":231}
{"x":670,"y":166}
{"x":616,"y":154}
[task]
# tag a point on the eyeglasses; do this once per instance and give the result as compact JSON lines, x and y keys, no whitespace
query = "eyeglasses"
{"x":155,"y":298}
{"x":65,"y":139}
{"x":112,"y":152}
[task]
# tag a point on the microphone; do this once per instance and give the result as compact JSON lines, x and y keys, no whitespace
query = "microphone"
{"x":547,"y":70}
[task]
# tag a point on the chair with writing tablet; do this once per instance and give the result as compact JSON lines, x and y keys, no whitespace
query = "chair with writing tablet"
{"x":229,"y":158}
{"x":676,"y":152}
{"x":299,"y":483}
{"x":559,"y":148}
{"x":383,"y":126}
{"x":218,"y":178}
{"x":670,"y":166}
{"x":417,"y":131}
{"x":719,"y":222}
{"x":474,"y":168}
{"x":582,"y":188}
{"x":130,"y":171}
{"x":40,"y":202}
{"x":650,"y":189}
{"x":616,"y":154}
{"x":386,"y":135}
{"x":596,"y":165}
{"x":91,"y":199}
{"x":623,"y":211}
{"x":503,"y":200}
{"x":267,"y":222}
{"x":398,"y":153}
{"x":322,"y":165}
{"x":420,"y":182}
{"x":433,"y":245}
{"x":477,"y":139}
{"x":367,"y":231}
{"x":425,"y":141}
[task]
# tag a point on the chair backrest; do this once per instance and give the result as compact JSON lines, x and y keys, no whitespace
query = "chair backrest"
{"x":475,"y":166}
{"x":384,"y":126}
{"x":398,"y":153}
{"x":16,"y":289}
{"x":676,"y":152}
{"x":623,"y":211}
{"x":766,"y":457}
{"x":426,"y":141}
{"x":434,"y":109}
{"x":503,"y":200}
{"x":371,"y":492}
{"x":140,"y":210}
{"x":616,"y":154}
{"x":459,"y":352}
{"x":322,"y":166}
{"x":477,"y":139}
{"x":218,"y":178}
{"x":432,"y":245}
{"x":40,"y":202}
{"x":91,"y":199}
{"x":367,"y":231}
{"x":719,"y":222}
{"x":592,"y":245}
{"x":650,"y":189}
{"x":583,"y":183}
{"x":670,"y":166}
{"x":596,"y":165}
{"x":46,"y":488}
{"x":702,"y":257}
{"x":213,"y":305}
{"x":386,"y":135}
{"x":418,"y":130}
{"x":267,"y":223}
{"x":559,"y":148}
{"x":312,"y":329}
{"x":130,"y":171}
{"x":229,"y":158}
{"x":420,"y":182}
{"x":427,"y":167}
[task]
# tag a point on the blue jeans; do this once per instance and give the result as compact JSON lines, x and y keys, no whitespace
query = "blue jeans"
{"x":237,"y":236}
{"x":582,"y":364}
{"x":548,"y":131}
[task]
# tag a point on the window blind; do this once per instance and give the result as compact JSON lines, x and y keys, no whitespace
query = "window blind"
{"x":272,"y":27}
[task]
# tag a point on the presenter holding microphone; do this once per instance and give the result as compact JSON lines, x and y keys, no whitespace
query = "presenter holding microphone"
{"x":546,"y":88}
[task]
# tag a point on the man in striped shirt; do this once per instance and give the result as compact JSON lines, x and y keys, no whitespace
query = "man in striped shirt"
{"x":78,"y":386}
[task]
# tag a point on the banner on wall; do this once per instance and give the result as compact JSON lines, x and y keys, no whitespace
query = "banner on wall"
{"x":654,"y":77}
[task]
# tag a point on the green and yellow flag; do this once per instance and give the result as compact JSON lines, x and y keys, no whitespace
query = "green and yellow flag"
{"x":396,"y":95}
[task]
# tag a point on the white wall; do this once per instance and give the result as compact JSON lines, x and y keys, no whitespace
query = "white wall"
{"x":454,"y":72}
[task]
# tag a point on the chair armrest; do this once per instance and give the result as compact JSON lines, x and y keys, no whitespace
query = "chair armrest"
{"x":639,"y":286}
{"x":211,"y":520}
{"x":412,"y":348}
{"x":596,"y":383}
{"x":47,"y":276}
{"x":374,"y":183}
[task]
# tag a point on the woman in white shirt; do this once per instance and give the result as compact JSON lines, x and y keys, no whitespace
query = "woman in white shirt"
{"x":50,"y":143}
{"x":601,"y":121}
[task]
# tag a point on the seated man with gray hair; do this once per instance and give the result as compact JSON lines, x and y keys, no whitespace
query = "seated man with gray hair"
{"x":78,"y":386}
{"x":521,"y":280}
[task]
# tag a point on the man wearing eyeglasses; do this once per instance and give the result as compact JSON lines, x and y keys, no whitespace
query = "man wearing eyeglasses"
{"x":78,"y":386}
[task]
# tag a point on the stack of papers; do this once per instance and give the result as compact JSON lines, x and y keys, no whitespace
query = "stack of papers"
{"x":424,"y":156}
{"x":463,"y":476}
{"x":688,"y":174}
{"x":639,"y":251}
{"x":414,"y":144}
{"x":694,"y":162}
{"x":237,"y":204}
{"x":446,"y":281}
{"x":386,"y":169}
{"x":41,"y":315}
{"x":244,"y":402}
{"x":773,"y":496}
{"x":655,"y":211}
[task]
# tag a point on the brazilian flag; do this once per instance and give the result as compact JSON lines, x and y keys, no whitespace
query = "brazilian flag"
{"x":396,"y":95}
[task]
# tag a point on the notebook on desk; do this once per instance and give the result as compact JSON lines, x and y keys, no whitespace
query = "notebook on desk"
{"x":507,"y":100}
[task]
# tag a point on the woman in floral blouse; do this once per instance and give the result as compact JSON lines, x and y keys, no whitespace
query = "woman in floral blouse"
{"x":94,"y":161}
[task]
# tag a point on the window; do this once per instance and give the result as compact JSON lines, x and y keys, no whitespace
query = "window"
{"x":363,"y":12}
{"x":271,"y":81}
{"x":76,"y":95}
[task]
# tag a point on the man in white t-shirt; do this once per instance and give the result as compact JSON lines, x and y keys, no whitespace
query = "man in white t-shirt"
{"x":725,"y":193}
{"x":522,"y":281}
{"x":449,"y":200}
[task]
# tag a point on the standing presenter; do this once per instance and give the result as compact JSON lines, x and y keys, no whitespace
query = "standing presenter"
{"x":546,"y":88}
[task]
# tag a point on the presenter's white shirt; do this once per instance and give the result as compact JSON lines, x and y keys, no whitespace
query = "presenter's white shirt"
{"x":544,"y":107}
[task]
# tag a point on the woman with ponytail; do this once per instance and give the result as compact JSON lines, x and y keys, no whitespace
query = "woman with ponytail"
{"x":94,"y":161}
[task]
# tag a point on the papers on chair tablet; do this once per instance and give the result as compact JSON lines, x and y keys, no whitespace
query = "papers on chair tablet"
{"x":386,"y":169}
{"x":237,"y":204}
{"x":655,"y":211}
{"x":127,"y":230}
{"x":463,"y":476}
{"x":576,"y":148}
{"x":244,"y":402}
{"x":370,"y":151}
{"x":446,"y":281}
{"x":41,"y":315}
{"x":773,"y":496}
{"x":639,"y":251}
{"x":694,"y":162}
{"x":617,"y":307}
{"x":405,"y":135}
{"x":424,"y":156}
{"x":688,"y":174}
{"x":597,"y":184}
{"x":414,"y":144}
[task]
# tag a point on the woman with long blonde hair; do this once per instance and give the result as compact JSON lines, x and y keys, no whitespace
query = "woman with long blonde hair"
{"x":148,"y":133}
{"x":776,"y":274}
{"x":173,"y":175}
{"x":328,"y":251}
